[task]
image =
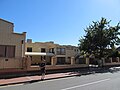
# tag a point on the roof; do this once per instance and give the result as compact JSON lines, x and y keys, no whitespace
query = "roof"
{"x":38,"y":54}
{"x":5,"y":21}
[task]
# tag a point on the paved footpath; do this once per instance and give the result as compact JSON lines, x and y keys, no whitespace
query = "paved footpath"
{"x":26,"y":79}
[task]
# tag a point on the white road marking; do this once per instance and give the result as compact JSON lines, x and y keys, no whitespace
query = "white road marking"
{"x":86,"y":84}
{"x":11,"y":85}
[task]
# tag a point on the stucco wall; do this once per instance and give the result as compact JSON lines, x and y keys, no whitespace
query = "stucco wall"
{"x":5,"y":26}
{"x":10,"y":63}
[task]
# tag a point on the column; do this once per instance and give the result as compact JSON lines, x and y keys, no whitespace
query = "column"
{"x":53,"y":61}
{"x":28,"y":62}
{"x":72,"y":60}
{"x":117,"y":59}
{"x":111,"y":60}
{"x":87,"y":60}
{"x":23,"y":45}
{"x":103,"y":61}
{"x":22,"y":48}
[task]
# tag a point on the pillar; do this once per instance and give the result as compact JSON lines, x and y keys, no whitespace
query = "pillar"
{"x":24,"y":60}
{"x":117,"y":59}
{"x":23,"y":44}
{"x":72,"y":60}
{"x":87,"y":60}
{"x":53,"y":61}
{"x":103,"y":61}
{"x":110,"y":60}
{"x":28,"y":62}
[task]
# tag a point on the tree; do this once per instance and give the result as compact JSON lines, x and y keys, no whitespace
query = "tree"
{"x":99,"y":36}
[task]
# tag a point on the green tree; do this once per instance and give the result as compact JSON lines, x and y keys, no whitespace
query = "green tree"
{"x":99,"y":36}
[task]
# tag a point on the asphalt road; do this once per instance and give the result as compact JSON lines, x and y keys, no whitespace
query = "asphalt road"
{"x":101,"y":81}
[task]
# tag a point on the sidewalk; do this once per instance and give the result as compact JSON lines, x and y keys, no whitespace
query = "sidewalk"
{"x":26,"y":79}
{"x":35,"y":78}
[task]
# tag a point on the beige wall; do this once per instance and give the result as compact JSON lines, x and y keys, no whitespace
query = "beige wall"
{"x":8,"y":37}
{"x":5,"y":26}
{"x":11,"y":63}
{"x":36,"y":47}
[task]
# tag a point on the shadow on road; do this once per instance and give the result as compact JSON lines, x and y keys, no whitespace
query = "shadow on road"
{"x":91,"y":70}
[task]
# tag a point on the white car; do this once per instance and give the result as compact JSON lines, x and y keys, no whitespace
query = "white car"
{"x":114,"y":69}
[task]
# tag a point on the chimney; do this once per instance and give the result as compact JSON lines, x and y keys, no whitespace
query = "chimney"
{"x":29,"y":40}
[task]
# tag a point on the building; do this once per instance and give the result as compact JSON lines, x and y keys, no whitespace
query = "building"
{"x":54,"y":54}
{"x":12,"y":46}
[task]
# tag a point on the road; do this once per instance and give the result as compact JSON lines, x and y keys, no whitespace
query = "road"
{"x":101,"y":81}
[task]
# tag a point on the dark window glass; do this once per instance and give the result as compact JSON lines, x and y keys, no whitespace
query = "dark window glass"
{"x":60,"y":60}
{"x":10,"y":51}
{"x":29,"y":49}
{"x":7,"y":51}
{"x":61,"y":51}
{"x":75,"y":50}
{"x":2,"y":51}
{"x":43,"y":50}
{"x":51,"y":50}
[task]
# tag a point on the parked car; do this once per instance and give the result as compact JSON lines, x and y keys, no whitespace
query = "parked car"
{"x":114,"y":69}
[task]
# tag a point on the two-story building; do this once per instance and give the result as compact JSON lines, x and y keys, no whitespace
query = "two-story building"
{"x":54,"y":54}
{"x":12,"y":46}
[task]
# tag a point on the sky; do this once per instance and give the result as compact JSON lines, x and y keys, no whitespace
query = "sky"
{"x":61,"y":21}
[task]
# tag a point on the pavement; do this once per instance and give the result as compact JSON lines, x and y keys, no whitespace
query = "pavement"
{"x":27,"y":79}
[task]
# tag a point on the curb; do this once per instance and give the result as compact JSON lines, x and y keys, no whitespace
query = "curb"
{"x":32,"y":81}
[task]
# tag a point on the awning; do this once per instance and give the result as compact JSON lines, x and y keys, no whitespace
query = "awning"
{"x":38,"y":54}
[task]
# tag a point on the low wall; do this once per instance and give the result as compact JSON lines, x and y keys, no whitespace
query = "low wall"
{"x":10,"y":63}
{"x":114,"y":63}
{"x":57,"y":67}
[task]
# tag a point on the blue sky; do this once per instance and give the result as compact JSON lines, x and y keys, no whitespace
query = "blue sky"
{"x":61,"y":21}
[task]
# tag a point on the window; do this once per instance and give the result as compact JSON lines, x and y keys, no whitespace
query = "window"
{"x":61,"y":51}
{"x":7,"y":51}
{"x":10,"y":51}
{"x":58,"y":50}
{"x":43,"y":50}
{"x":51,"y":50}
{"x":29,"y":49}
{"x":75,"y":50}
{"x":60,"y":60}
{"x":2,"y":51}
